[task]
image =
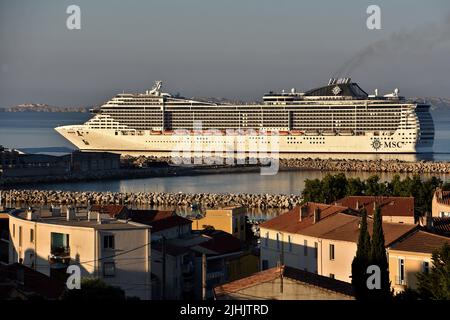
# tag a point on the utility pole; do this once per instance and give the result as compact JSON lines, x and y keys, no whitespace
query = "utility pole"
{"x":163,"y":288}
{"x":281,"y":263}
{"x":203,"y":276}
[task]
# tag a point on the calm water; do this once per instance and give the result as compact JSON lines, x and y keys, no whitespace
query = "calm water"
{"x":35,"y":130}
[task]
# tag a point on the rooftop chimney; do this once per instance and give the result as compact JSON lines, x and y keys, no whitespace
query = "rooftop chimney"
{"x":303,"y":211}
{"x":70,"y":213}
{"x":99,"y":218}
{"x":357,"y":205}
{"x":30,"y":214}
{"x":56,"y":211}
{"x":316,"y":215}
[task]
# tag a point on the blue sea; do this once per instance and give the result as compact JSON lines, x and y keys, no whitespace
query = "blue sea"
{"x":33,"y":132}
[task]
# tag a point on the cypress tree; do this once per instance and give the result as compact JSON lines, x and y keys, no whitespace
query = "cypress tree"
{"x":378,"y":257}
{"x":361,"y":260}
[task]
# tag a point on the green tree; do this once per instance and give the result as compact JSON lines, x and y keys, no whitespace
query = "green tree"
{"x":94,"y":289}
{"x":378,"y":257}
{"x":355,"y":187}
{"x":313,"y":191}
{"x":374,"y":187}
{"x":334,"y":187}
{"x":436,"y":284}
{"x":361,"y":260}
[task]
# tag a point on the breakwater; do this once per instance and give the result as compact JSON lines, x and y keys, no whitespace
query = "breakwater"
{"x":347,"y":165}
{"x":147,"y":199}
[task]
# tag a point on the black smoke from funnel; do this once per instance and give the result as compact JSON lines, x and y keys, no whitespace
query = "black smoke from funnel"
{"x":422,"y":38}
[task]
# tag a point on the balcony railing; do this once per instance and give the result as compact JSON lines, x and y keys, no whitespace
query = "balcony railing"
{"x":60,"y":252}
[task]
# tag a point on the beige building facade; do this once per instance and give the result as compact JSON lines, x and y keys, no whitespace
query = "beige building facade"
{"x":440,"y":206}
{"x":411,"y":256}
{"x":228,"y":219}
{"x":116,"y":251}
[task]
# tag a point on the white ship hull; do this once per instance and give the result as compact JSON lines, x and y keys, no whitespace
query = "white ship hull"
{"x":85,"y":138}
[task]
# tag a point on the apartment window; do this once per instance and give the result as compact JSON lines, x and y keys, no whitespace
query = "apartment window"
{"x":108,"y":242}
{"x":14,"y":231}
{"x":278,"y":241}
{"x":401,"y":271}
{"x":235,"y":225}
{"x":305,"y":248}
{"x":426,"y":267}
{"x":316,"y":249}
{"x":331,"y":251}
{"x":31,"y":235}
{"x":332,"y":276}
{"x":20,"y":236}
{"x":267,"y":239}
{"x":290,"y":243}
{"x":109,"y":269}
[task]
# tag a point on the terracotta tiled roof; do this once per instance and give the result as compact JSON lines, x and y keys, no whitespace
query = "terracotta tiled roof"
{"x":114,"y":210}
{"x":441,"y":225}
{"x":33,"y":282}
{"x":290,"y":273}
{"x":347,"y":229}
{"x":171,"y":249}
{"x":158,"y":219}
{"x":420,"y":241}
{"x":443,"y":197}
{"x":290,"y":221}
{"x":221,"y":243}
{"x":390,"y":206}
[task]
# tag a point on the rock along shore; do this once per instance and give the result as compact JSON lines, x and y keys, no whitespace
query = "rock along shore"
{"x":398,"y":166}
{"x":147,"y":199}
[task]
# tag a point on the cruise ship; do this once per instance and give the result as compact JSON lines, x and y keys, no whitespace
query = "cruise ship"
{"x":339,"y":117}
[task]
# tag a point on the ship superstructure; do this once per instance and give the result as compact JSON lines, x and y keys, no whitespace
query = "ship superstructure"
{"x":338,"y":117}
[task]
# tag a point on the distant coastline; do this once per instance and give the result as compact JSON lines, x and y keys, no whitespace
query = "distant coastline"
{"x":38,"y":107}
{"x":437,"y":104}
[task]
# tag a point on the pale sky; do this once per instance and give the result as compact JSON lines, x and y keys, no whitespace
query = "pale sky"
{"x":237,"y":49}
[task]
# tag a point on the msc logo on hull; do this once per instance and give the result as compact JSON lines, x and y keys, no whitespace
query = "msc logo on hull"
{"x":378,"y":144}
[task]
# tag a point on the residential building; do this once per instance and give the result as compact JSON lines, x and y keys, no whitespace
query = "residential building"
{"x":411,"y":255}
{"x":164,"y":223}
{"x":14,"y":164}
{"x":393,"y":209}
{"x":281,"y":237}
{"x":229,"y":219}
{"x":114,"y":250}
{"x":318,"y":238}
{"x":4,"y":236}
{"x":440,"y":205}
{"x":285,"y":283}
{"x":18,"y":282}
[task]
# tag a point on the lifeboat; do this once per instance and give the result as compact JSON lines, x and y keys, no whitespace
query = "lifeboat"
{"x":346,"y":132}
{"x":328,"y":133}
{"x":283,"y":133}
{"x":155,"y":132}
{"x":297,"y":132}
{"x":168,"y":132}
{"x":311,"y":132}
